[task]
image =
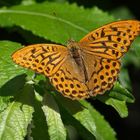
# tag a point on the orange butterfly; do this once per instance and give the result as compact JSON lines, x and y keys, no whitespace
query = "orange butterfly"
{"x":85,"y":68}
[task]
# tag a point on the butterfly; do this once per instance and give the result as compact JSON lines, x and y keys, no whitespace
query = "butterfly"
{"x":85,"y":68}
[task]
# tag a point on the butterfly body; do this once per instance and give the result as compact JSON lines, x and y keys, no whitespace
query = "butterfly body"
{"x":76,"y":55}
{"x":85,"y":68}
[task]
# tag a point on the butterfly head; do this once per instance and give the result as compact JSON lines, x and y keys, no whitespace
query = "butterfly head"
{"x":72,"y":44}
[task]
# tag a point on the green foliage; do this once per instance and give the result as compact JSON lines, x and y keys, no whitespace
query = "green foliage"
{"x":22,"y":112}
{"x":56,"y":128}
{"x":44,"y":19}
{"x":117,"y":98}
{"x":87,"y":116}
{"x":16,"y":115}
{"x":7,"y":67}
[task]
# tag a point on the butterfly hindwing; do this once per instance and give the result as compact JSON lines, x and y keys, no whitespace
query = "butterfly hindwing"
{"x":102,"y":73}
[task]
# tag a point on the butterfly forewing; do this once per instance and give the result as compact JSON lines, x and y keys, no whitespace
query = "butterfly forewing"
{"x":111,"y":41}
{"x":42,"y":58}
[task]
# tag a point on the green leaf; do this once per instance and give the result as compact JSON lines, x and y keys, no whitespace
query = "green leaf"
{"x":8,"y":69}
{"x":10,"y":89}
{"x":67,"y":109}
{"x":118,"y":92}
{"x":39,"y":122}
{"x":55,"y":125}
{"x":28,"y":2}
{"x":117,"y":98}
{"x":87,"y":121}
{"x":133,"y":57}
{"x":13,"y":86}
{"x":54,"y":21}
{"x":122,"y":12}
{"x":122,"y":94}
{"x":78,"y":127}
{"x":4,"y":102}
{"x":16,"y":117}
{"x":88,"y":117}
{"x":119,"y":106}
{"x":102,"y":128}
{"x":125,"y":79}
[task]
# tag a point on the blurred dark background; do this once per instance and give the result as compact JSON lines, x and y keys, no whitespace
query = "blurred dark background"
{"x":126,"y":128}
